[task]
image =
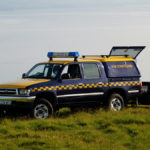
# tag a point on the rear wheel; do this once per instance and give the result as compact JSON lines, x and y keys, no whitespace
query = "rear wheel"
{"x":116,"y":102}
{"x":42,"y":109}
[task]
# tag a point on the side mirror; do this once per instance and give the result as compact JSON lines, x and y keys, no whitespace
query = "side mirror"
{"x":65,"y":76}
{"x":23,"y":75}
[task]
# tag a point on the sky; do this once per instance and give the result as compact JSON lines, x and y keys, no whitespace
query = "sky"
{"x":31,"y":28}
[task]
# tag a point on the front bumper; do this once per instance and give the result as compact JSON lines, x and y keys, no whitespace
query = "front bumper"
{"x":15,"y":101}
{"x":18,"y":99}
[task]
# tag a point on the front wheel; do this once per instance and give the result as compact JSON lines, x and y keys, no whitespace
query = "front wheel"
{"x":116,"y":102}
{"x":42,"y":109}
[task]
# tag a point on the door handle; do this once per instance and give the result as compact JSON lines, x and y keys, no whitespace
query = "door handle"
{"x":80,"y":84}
{"x":100,"y":83}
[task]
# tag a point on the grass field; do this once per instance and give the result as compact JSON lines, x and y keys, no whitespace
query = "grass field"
{"x":99,"y":130}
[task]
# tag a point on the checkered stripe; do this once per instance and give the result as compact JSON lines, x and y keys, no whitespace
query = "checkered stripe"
{"x":84,"y":86}
{"x":131,"y":83}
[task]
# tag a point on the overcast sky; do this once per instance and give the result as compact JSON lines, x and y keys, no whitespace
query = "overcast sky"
{"x":31,"y":28}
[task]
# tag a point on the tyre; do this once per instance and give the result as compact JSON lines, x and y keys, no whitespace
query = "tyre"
{"x":116,"y":102}
{"x":42,"y":109}
{"x":73,"y":109}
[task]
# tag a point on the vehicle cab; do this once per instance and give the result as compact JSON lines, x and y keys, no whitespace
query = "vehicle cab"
{"x":82,"y":81}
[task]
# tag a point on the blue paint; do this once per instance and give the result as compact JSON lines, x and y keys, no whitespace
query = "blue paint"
{"x":121,"y":69}
{"x":63,"y":54}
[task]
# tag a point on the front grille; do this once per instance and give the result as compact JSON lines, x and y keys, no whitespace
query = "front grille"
{"x":8,"y":91}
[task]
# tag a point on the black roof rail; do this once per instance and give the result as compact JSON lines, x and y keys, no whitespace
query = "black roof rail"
{"x":119,"y":55}
{"x":84,"y":56}
{"x":94,"y":56}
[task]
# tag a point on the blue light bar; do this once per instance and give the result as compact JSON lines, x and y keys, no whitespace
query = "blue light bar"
{"x":74,"y":54}
{"x":62,"y":54}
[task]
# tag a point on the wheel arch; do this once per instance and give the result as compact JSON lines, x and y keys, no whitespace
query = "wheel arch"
{"x":120,"y":91}
{"x":50,"y":96}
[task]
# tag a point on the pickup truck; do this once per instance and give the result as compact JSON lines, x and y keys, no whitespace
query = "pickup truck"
{"x":112,"y":80}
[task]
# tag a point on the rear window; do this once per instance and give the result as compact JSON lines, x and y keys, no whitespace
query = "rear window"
{"x":121,"y":69}
{"x":91,"y":70}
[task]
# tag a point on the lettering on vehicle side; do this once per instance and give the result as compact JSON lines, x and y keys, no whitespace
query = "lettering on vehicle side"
{"x":122,"y":66}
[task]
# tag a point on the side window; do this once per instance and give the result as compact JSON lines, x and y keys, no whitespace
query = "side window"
{"x":65,"y":70}
{"x":91,"y":70}
{"x":73,"y":70}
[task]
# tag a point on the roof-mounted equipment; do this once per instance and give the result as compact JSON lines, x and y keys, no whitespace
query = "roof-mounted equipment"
{"x":132,"y":51}
{"x":101,"y":56}
{"x":52,"y":55}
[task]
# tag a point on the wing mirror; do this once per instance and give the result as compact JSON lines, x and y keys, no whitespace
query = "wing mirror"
{"x":65,"y":76}
{"x":23,"y":75}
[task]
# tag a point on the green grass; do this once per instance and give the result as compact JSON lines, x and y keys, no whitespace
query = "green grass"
{"x":99,"y":130}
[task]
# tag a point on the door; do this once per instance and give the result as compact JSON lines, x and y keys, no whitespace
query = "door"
{"x":93,"y":82}
{"x":70,"y":85}
{"x":84,"y":84}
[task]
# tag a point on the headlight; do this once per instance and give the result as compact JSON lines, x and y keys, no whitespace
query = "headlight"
{"x":24,"y":92}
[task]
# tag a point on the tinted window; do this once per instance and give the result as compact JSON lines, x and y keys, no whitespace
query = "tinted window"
{"x":73,"y":70}
{"x":91,"y":70}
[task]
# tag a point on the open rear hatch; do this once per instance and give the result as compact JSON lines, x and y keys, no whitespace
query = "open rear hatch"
{"x":132,"y":51}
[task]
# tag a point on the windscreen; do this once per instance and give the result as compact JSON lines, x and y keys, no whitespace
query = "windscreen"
{"x":44,"y":71}
{"x":132,"y":51}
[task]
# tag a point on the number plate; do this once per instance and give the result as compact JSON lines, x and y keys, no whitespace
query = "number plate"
{"x":5,"y":102}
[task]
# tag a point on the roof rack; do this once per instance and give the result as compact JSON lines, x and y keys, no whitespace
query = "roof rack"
{"x":85,"y":56}
{"x":107,"y":56}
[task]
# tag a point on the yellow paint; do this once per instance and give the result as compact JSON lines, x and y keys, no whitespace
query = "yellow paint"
{"x":122,"y":66}
{"x":111,"y":84}
{"x":116,"y":59}
{"x":23,"y":83}
{"x":93,"y":59}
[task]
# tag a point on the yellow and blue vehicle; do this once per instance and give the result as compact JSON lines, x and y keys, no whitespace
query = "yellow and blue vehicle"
{"x":112,"y":80}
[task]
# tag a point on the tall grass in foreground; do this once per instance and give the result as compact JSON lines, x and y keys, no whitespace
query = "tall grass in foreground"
{"x":100,"y":130}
